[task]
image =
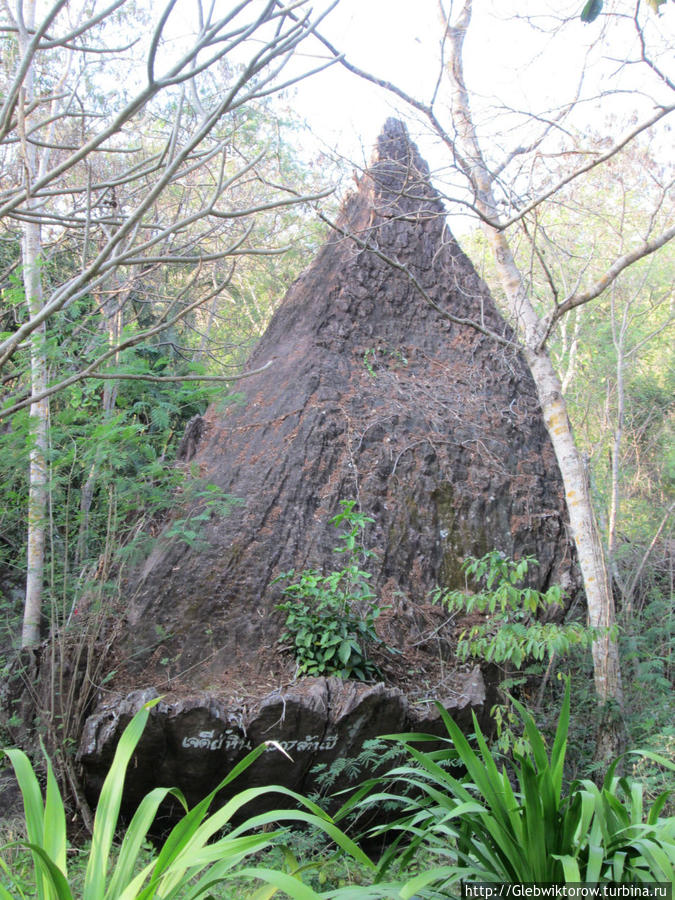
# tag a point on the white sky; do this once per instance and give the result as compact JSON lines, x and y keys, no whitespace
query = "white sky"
{"x":505,"y":58}
{"x":531,"y":66}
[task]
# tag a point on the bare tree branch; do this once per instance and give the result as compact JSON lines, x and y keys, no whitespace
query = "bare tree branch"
{"x":602,"y":283}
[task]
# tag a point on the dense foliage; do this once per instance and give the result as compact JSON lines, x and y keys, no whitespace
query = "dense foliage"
{"x":510,"y":630}
{"x":194,"y":857}
{"x":458,"y":811}
{"x":165,"y":245}
{"x":519,"y":824}
{"x":330,"y":619}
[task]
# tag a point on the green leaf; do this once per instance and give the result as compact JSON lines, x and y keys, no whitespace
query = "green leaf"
{"x":591,"y":11}
{"x":107,"y":811}
{"x":345,"y":651}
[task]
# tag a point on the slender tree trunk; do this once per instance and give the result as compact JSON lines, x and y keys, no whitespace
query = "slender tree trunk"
{"x":39,"y":425}
{"x":619,"y":340}
{"x":599,"y":598}
{"x":112,"y":319}
{"x":573,"y":348}
{"x":39,"y":412}
{"x":600,"y":602}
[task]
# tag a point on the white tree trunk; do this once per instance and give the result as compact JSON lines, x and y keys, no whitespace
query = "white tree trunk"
{"x":39,"y":424}
{"x":39,"y":412}
{"x":599,"y":598}
{"x":600,"y":602}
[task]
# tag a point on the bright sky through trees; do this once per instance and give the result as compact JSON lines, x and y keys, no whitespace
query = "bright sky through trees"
{"x":518,"y":64}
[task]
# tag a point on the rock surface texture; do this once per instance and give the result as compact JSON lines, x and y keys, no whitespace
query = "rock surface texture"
{"x":370,"y":394}
{"x":193,"y":742}
{"x":367,"y":392}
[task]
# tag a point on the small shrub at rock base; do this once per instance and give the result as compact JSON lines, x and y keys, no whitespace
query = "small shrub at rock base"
{"x":330,"y":619}
{"x":510,"y":632}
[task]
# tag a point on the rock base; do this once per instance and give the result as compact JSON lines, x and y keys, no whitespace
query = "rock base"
{"x":191,"y":743}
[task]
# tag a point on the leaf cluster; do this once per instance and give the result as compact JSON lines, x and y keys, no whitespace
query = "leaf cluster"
{"x":330,"y":619}
{"x":504,"y":826}
{"x":510,"y":631}
{"x":195,"y":857}
{"x":508,"y":826}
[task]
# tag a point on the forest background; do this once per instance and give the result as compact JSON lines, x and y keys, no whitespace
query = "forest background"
{"x":160,"y":192}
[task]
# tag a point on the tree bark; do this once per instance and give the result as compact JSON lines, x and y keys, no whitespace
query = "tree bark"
{"x":39,"y":425}
{"x":600,"y":602}
{"x":39,"y":411}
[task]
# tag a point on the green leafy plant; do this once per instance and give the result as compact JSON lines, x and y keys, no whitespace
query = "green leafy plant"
{"x":191,"y":861}
{"x":518,"y":826}
{"x":510,"y":631}
{"x":330,"y":619}
{"x":382,"y":357}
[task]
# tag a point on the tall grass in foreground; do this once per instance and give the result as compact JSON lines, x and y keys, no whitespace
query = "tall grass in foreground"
{"x":484,"y":825}
{"x":495,"y":826}
{"x":190,"y":863}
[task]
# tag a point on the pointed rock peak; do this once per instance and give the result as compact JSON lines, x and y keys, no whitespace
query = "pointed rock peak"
{"x":394,"y":145}
{"x":396,"y":186}
{"x":372,"y":394}
{"x":401,"y":177}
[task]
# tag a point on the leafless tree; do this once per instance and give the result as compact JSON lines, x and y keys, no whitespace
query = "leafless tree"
{"x":118,"y":141}
{"x":506,"y":195}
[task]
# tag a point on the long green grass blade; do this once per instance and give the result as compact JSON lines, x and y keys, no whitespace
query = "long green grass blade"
{"x":320,"y":821}
{"x":487,"y":784}
{"x":134,"y":889}
{"x":636,"y":802}
{"x":559,"y":749}
{"x":655,"y":757}
{"x":55,"y":837}
{"x":230,"y":857}
{"x":134,"y":838}
{"x":55,"y":881}
{"x":33,"y":812}
{"x":535,"y":831}
{"x":577,"y":818}
{"x":570,"y":867}
{"x":657,"y":806}
{"x":107,"y":811}
{"x":661,"y":860}
{"x":285,"y":882}
{"x":180,"y":835}
{"x":618,"y":865}
{"x":447,"y":875}
{"x":183,"y":833}
{"x":535,"y":741}
{"x":31,"y":794}
{"x":596,"y":858}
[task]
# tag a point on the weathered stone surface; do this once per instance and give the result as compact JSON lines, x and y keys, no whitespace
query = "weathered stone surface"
{"x":11,"y":804}
{"x":369,"y":394}
{"x":193,"y":742}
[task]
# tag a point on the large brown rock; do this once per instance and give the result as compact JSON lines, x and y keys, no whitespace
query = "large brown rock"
{"x":370,"y":394}
{"x":194,"y":741}
{"x":366,"y":392}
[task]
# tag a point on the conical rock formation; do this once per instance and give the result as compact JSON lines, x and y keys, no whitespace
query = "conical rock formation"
{"x":366,"y":392}
{"x":369,"y":393}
